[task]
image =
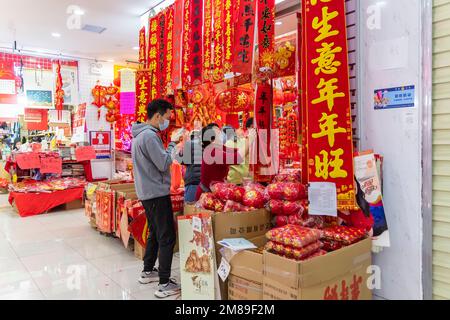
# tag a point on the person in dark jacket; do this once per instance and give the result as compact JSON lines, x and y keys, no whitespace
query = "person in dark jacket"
{"x":191,"y":157}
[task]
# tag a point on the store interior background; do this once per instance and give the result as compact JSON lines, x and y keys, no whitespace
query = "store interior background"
{"x":406,"y":270}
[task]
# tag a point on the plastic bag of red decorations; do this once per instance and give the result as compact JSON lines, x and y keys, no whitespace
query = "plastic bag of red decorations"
{"x":288,"y":177}
{"x":232,"y":206}
{"x":286,"y":191}
{"x":227,"y":191}
{"x":294,"y":236}
{"x":286,"y":208}
{"x":293,"y":252}
{"x":331,"y":245}
{"x":344,"y":235}
{"x":208,"y":201}
{"x":316,"y":254}
{"x":254,"y":195}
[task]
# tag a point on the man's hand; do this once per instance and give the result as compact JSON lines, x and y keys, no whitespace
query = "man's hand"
{"x":177,"y":135}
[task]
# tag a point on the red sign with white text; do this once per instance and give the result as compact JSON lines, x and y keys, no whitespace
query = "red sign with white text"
{"x":28,"y":160}
{"x":51,"y":165}
{"x":85,"y":153}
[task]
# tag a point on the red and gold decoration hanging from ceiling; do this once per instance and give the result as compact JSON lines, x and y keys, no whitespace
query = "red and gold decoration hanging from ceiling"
{"x":153,"y":56}
{"x":196,"y":53}
{"x":142,"y":49}
{"x":143,"y":85}
{"x":185,"y":69}
{"x":218,"y":71}
{"x":234,"y":100}
{"x":266,"y":32}
{"x":285,"y":56}
{"x":162,"y":51}
{"x":169,"y":49}
{"x":207,"y":36}
{"x":244,"y":37}
{"x":228,"y":34}
{"x":59,"y":92}
{"x":329,"y":129}
{"x":178,"y":17}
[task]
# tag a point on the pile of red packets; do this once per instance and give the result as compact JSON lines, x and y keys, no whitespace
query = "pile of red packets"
{"x":336,"y":237}
{"x":227,"y":197}
{"x":295,"y":242}
{"x":28,"y":186}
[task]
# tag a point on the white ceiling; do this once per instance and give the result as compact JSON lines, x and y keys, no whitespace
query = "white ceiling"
{"x":31,"y":24}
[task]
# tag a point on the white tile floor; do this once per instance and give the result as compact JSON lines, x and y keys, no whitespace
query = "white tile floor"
{"x":59,"y":256}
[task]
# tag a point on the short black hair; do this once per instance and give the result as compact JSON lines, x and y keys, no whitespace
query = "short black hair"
{"x":248,"y":123}
{"x":208,"y":130}
{"x":158,"y":106}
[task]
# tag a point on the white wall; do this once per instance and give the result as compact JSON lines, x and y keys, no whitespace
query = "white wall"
{"x":88,"y":81}
{"x":396,"y":134}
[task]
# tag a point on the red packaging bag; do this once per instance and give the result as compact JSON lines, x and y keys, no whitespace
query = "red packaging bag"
{"x":293,"y":252}
{"x":294,"y":236}
{"x":345,"y":235}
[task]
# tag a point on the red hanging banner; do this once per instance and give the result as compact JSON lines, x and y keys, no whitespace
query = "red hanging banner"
{"x":263,"y":122}
{"x":185,"y":69}
{"x":177,"y":41}
{"x":195,"y":59}
{"x":266,"y":32}
{"x":228,"y":36}
{"x":303,"y":94}
{"x":142,"y":48}
{"x":244,"y":37}
{"x":207,"y":36}
{"x":218,"y":72}
{"x":36,"y":119}
{"x":169,"y":46}
{"x":329,"y":132}
{"x":143,"y":84}
{"x":153,"y":56}
{"x":162,"y":51}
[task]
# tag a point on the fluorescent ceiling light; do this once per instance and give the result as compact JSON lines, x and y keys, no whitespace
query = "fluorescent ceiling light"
{"x":56,"y":35}
{"x":110,"y":60}
{"x":278,"y":1}
{"x":278,"y":23}
{"x":135,"y":48}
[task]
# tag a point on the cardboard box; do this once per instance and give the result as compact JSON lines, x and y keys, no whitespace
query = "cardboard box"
{"x":248,"y":264}
{"x":339,"y":274}
{"x":246,"y":225}
{"x":242,"y":289}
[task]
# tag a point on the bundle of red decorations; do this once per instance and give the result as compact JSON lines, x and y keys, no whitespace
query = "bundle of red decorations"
{"x":294,"y":242}
{"x":337,"y":237}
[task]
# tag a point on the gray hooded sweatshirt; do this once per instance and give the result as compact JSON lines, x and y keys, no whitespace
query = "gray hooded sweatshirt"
{"x":151,"y":162}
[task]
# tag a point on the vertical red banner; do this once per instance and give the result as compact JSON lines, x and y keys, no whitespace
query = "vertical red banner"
{"x":162,"y":52}
{"x":207,"y":43}
{"x":178,"y":16}
{"x":169,"y":46}
{"x":244,"y":37}
{"x":153,"y":56}
{"x":303,"y":94}
{"x":228,"y":35}
{"x":263,"y":122}
{"x":195,"y":59}
{"x":266,"y":32}
{"x":329,"y":131}
{"x":185,"y":69}
{"x":218,"y":72}
{"x":142,"y":48}
{"x":143,"y":94}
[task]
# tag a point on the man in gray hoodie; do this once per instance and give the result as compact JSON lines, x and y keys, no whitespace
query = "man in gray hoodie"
{"x":151,"y":168}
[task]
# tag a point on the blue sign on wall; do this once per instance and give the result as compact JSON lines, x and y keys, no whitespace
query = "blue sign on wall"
{"x":393,"y":98}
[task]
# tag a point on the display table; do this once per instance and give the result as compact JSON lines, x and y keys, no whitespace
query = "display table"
{"x":30,"y":204}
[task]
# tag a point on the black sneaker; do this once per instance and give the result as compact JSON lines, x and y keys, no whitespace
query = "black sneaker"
{"x":149,"y":277}
{"x":171,"y":288}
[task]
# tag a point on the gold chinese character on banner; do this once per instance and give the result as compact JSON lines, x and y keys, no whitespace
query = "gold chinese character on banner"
{"x":326,"y":61}
{"x":314,"y":2}
{"x":323,"y":25}
{"x":328,"y":128}
{"x":323,"y":165}
{"x":327,"y":92}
